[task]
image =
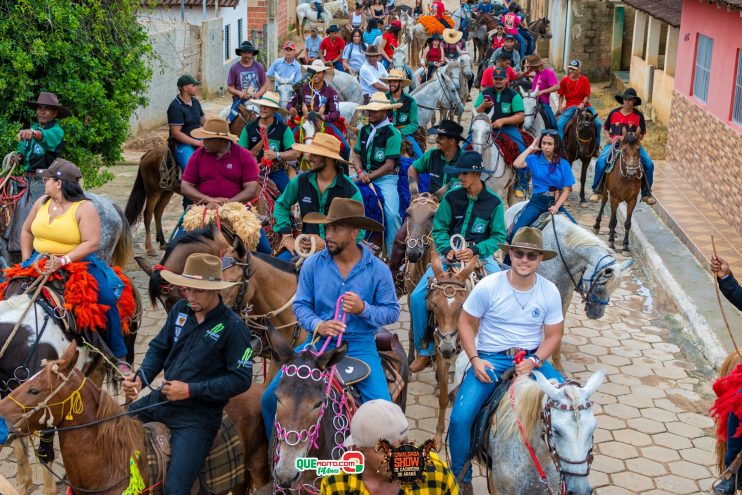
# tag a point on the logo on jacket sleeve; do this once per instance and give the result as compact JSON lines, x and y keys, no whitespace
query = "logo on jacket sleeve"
{"x":245,"y":361}
{"x":215,"y":332}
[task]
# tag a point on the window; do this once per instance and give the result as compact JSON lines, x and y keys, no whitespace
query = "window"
{"x":239,"y":32}
{"x":737,"y":108}
{"x":703,"y":67}
{"x":227,"y":50}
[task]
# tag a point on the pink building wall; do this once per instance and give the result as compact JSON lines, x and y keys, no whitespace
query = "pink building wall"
{"x":725,"y":28}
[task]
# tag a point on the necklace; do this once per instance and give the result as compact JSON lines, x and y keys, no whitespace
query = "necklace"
{"x":515,"y":293}
{"x":56,"y":205}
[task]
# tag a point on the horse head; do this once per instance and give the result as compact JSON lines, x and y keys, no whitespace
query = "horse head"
{"x":309,"y":128}
{"x":451,"y":98}
{"x":585,"y":132}
{"x":344,"y":8}
{"x":304,"y":406}
{"x":408,"y":24}
{"x":447,"y":292}
{"x":568,"y":426}
{"x":420,"y":225}
{"x":285,"y":89}
{"x":481,"y":133}
{"x":530,"y":104}
{"x":542,"y":27}
{"x":399,"y":59}
{"x":453,"y":70}
{"x":466,"y":65}
{"x":630,"y":155}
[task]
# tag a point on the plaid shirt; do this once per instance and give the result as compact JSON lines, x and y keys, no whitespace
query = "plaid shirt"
{"x":439,"y":480}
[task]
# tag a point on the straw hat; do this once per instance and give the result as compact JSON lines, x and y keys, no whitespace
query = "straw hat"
{"x":344,"y":211}
{"x":397,"y":75}
{"x":214,"y":128}
{"x":452,"y":35}
{"x":379,"y":101}
{"x":271,"y":99}
{"x":49,"y":100}
{"x":319,"y":66}
{"x":202,"y":271}
{"x":531,"y":239}
{"x":323,"y":145}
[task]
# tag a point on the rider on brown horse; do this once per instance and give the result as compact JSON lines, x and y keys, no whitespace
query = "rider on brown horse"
{"x":574,"y":94}
{"x":204,"y":353}
{"x":183,"y":116}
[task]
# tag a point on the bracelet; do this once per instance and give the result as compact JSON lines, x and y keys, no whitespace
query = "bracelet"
{"x":475,"y":356}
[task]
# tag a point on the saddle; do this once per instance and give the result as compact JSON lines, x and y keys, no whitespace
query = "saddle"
{"x":540,"y":223}
{"x":224,"y":466}
{"x":486,"y":421}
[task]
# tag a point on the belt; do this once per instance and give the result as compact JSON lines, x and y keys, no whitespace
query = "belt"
{"x":515,"y":350}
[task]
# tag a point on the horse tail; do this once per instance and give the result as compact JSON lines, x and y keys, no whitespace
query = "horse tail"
{"x":137,"y":198}
{"x":123,"y":251}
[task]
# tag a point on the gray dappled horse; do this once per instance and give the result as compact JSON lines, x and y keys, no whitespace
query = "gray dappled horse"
{"x":437,"y":94}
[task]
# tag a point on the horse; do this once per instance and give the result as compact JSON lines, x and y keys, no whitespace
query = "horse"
{"x":459,"y":15}
{"x":347,"y":87}
{"x":534,"y":121}
{"x":306,"y":11}
{"x":622,"y":185}
{"x":111,"y":439}
{"x":462,"y":66}
{"x":557,"y":421}
{"x":585,"y":264}
{"x":285,"y":89}
{"x":348,"y":111}
{"x":479,"y":37}
{"x":248,"y":111}
{"x":438,"y":94}
{"x":399,"y":61}
{"x":503,"y":177}
{"x":581,"y":143}
{"x":540,"y":28}
{"x":417,"y":35}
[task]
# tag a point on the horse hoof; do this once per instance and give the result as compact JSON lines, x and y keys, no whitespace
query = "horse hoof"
{"x":583,"y":204}
{"x":151,"y":252}
{"x":626,"y":252}
{"x":596,"y":230}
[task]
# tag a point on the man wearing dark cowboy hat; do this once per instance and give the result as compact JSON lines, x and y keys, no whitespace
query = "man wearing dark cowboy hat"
{"x":204,"y":353}
{"x":627,"y":117}
{"x":371,"y":73}
{"x":246,"y":78}
{"x":404,"y":118}
{"x":477,"y":214}
{"x":183,"y":116}
{"x":41,"y":144}
{"x":313,"y":192}
{"x":344,"y":268}
{"x":508,"y":312}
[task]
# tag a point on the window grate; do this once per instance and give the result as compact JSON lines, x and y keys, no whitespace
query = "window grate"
{"x":704,"y":50}
{"x":227,"y":47}
{"x":737,"y":108}
{"x":239,"y":32}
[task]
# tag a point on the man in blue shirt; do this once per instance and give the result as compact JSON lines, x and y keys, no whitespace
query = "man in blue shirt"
{"x":286,"y":67}
{"x":344,"y":268}
{"x":311,"y":46}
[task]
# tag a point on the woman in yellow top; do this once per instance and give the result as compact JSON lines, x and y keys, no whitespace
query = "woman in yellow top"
{"x":65,"y":225}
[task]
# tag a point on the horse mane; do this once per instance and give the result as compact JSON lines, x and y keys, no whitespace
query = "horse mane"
{"x":631,"y":139}
{"x":194,"y":236}
{"x":276,"y":263}
{"x":528,"y":403}
{"x":118,"y":439}
{"x":577,"y":237}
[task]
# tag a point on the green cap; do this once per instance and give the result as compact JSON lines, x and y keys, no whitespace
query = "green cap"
{"x":187,"y":79}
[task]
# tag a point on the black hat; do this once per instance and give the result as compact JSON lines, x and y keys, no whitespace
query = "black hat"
{"x":435,"y":36}
{"x":629,"y":93}
{"x":469,"y":161}
{"x":448,"y":128}
{"x":49,"y":100}
{"x":187,"y":79}
{"x":246,"y":46}
{"x":333,"y":29}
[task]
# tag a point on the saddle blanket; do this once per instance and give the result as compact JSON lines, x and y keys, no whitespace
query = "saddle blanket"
{"x":507,"y":146}
{"x":728,"y":399}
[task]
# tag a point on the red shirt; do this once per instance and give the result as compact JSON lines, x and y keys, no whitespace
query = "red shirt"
{"x":435,"y":54}
{"x":574,"y":91}
{"x":221,"y":177}
{"x":438,"y":8}
{"x":488,"y":81}
{"x":391,"y":44}
{"x":617,"y":121}
{"x":497,"y":42}
{"x":332,"y":49}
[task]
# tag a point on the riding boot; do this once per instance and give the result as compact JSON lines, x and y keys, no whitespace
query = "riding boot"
{"x":647,"y":192}
{"x":727,"y":486}
{"x":599,"y":191}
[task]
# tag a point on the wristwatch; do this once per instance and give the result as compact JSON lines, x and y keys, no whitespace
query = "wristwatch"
{"x":278,"y":156}
{"x":536,"y":360}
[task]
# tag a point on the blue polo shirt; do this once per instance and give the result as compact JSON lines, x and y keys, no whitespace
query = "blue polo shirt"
{"x":285,"y":70}
{"x":311,"y":45}
{"x":543,"y":179}
{"x":182,"y":114}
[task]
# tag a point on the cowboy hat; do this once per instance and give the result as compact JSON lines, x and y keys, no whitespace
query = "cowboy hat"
{"x":323,"y":145}
{"x":202,"y":271}
{"x":372,"y":51}
{"x":448,"y":128}
{"x":436,"y":36}
{"x":469,"y":161}
{"x":271,"y":100}
{"x":319,"y":66}
{"x":452,"y":35}
{"x":378,"y":102}
{"x":531,"y":239}
{"x":49,"y":100}
{"x":345,"y":211}
{"x":246,"y":46}
{"x":629,"y":93}
{"x":397,"y":75}
{"x":534,"y":60}
{"x":214,"y":128}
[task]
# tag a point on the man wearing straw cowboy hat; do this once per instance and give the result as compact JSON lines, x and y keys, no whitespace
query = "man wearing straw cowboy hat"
{"x":204,"y":353}
{"x":275,"y":148}
{"x":349,"y":269}
{"x":376,"y":160}
{"x":313,"y":192}
{"x":477,"y":214}
{"x":405,"y":117}
{"x":512,"y":311}
{"x":371,"y":73}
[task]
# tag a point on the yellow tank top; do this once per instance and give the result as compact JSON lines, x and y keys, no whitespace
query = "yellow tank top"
{"x":60,"y":236}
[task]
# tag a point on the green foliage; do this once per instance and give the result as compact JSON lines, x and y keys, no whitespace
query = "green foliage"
{"x":93,"y":54}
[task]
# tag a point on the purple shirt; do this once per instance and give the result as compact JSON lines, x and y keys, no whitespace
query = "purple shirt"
{"x":221,"y":177}
{"x":544,"y":80}
{"x":241,"y":77}
{"x":326,"y":96}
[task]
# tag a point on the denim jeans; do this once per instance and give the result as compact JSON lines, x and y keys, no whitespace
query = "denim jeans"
{"x":734,"y":445}
{"x":513,"y":133}
{"x":419,"y":306}
{"x":567,"y":115}
{"x":530,"y":46}
{"x":361,"y":347}
{"x":280,"y":178}
{"x":183,"y":153}
{"x":647,"y":165}
{"x":387,"y":185}
{"x":417,"y":152}
{"x":521,"y":46}
{"x":345,"y":152}
{"x":550,"y":122}
{"x":469,"y":400}
{"x":264,"y":245}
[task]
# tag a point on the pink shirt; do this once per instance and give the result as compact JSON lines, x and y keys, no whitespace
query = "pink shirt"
{"x":510,"y":21}
{"x":221,"y":177}
{"x":544,"y":80}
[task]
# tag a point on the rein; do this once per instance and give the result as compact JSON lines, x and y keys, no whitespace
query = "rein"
{"x":585,"y":141}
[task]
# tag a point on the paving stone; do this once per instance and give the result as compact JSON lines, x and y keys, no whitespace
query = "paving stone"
{"x":624,"y":380}
{"x":635,"y":483}
{"x":619,"y":450}
{"x":598,"y":479}
{"x":622,"y":411}
{"x":661,"y":454}
{"x":600,"y":435}
{"x":645,"y":466}
{"x":635,"y":401}
{"x":658,"y":414}
{"x":649,"y":392}
{"x":684,"y":430}
{"x":688,"y":394}
{"x":705,"y":443}
{"x":601,"y":398}
{"x":613,"y":490}
{"x":667,"y":347}
{"x":645,"y":425}
{"x":613,"y":360}
{"x":675,"y":484}
{"x":609,"y":423}
{"x":668,"y":405}
{"x":696,"y":419}
{"x":594,"y":350}
{"x":607,"y":464}
{"x":585,"y":332}
{"x":637,"y":370}
{"x":632,"y":437}
{"x":614,"y":389}
{"x":672,"y":441}
{"x":689,"y":470}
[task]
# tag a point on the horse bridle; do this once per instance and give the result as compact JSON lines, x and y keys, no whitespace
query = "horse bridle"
{"x":449,"y":289}
{"x":635,"y":165}
{"x":443,"y":88}
{"x":580,"y":139}
{"x":425,"y":240}
{"x":491,"y":142}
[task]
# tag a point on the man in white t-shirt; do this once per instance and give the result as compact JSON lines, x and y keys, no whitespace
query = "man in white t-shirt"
{"x":516,"y":310}
{"x":371,"y":73}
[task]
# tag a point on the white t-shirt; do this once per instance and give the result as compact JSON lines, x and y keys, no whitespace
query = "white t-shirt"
{"x":369,"y":75}
{"x":503,"y":322}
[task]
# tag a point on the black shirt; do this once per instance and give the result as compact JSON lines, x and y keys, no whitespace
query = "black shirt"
{"x":182,"y":114}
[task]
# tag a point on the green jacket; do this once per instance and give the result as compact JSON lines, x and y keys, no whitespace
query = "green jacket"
{"x":480,"y":220}
{"x":387,"y":144}
{"x":433,"y":162}
{"x":405,"y":118}
{"x":40,"y":154}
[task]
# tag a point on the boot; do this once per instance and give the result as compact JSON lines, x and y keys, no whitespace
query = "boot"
{"x":595,"y":196}
{"x":465,"y":488}
{"x":649,"y":199}
{"x":727,"y":486}
{"x":420,"y":363}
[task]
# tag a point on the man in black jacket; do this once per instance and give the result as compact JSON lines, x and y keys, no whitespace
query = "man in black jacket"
{"x":727,"y":283}
{"x":204,"y":353}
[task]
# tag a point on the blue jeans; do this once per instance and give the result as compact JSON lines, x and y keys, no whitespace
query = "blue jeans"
{"x":417,"y":151}
{"x":280,"y":178}
{"x":419,"y":306}
{"x":567,"y":115}
{"x":538,"y":204}
{"x":318,"y":6}
{"x":550,"y":120}
{"x":345,"y":152}
{"x":512,"y":132}
{"x":339,"y":66}
{"x":647,"y":164}
{"x":361,"y":347}
{"x":526,"y":35}
{"x":385,"y":63}
{"x":469,"y":400}
{"x":521,"y":46}
{"x":387,"y":185}
{"x":183,"y":153}
{"x":264,"y":246}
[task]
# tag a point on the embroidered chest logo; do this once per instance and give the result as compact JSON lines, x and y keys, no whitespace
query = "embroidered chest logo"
{"x":245,"y":361}
{"x":403,"y":117}
{"x":229,"y":166}
{"x":379,"y":155}
{"x":306,"y":199}
{"x":215,"y":332}
{"x":479,"y":227}
{"x":536,"y":312}
{"x":506,"y":107}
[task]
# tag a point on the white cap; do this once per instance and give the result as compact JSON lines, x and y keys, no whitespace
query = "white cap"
{"x":376,"y":420}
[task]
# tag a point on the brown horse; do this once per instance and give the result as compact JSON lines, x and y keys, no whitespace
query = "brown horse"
{"x":540,"y":28}
{"x":623,"y":184}
{"x":447,"y":292}
{"x":61,"y":394}
{"x":581,"y":143}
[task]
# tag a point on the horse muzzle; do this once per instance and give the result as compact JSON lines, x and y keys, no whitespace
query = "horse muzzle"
{"x":414,"y":254}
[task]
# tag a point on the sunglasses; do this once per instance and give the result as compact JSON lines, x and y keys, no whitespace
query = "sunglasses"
{"x":550,"y":132}
{"x":519,"y":254}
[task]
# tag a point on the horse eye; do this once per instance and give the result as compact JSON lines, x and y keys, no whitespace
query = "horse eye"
{"x":33,"y":391}
{"x":319,"y":404}
{"x":609,"y":271}
{"x":557,"y":432}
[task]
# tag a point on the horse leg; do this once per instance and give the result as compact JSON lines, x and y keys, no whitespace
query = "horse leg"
{"x":583,"y":179}
{"x":162,"y":203}
{"x":24,"y":478}
{"x":612,"y":224}
{"x":599,"y":217}
{"x":410,"y":335}
{"x":442,"y":375}
{"x":50,"y":484}
{"x":149,"y":209}
{"x":630,"y":205}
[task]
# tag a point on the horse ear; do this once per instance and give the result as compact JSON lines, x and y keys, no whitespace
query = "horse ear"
{"x":549,"y":389}
{"x":69,"y":358}
{"x":143,"y":264}
{"x":624,"y":131}
{"x":440,"y":193}
{"x":468,"y":268}
{"x":435,"y":264}
{"x":329,"y":359}
{"x":281,"y":352}
{"x":593,"y":383}
{"x":414,"y":189}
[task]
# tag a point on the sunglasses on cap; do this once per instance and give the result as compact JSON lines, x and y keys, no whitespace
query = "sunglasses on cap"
{"x":519,"y":254}
{"x":550,"y":132}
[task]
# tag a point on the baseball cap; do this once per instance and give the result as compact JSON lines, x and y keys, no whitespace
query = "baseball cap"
{"x":375,"y":420}
{"x":62,"y":169}
{"x":289,"y":45}
{"x":187,"y":79}
{"x":500,"y":73}
{"x":575,"y":64}
{"x":396,"y":23}
{"x":509,"y":37}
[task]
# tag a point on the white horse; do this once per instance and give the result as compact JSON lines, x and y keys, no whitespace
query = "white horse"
{"x":348,"y":111}
{"x":348,"y":88}
{"x":437,"y":94}
{"x":461,"y":78}
{"x":330,"y":10}
{"x":416,"y":36}
{"x":285,"y":89}
{"x":459,"y":15}
{"x":503,"y":176}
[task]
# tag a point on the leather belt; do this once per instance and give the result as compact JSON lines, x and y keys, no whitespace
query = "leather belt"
{"x":515,"y":350}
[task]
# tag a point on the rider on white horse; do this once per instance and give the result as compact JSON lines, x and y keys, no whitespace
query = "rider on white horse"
{"x":471,"y":211}
{"x":405,"y":117}
{"x":512,"y":311}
